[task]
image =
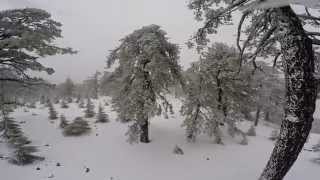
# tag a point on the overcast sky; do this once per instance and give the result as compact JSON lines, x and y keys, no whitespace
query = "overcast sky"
{"x":95,"y":26}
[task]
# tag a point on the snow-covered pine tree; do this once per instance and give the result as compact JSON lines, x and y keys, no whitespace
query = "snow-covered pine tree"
{"x":56,"y":100}
{"x":268,"y":95}
{"x":102,"y":117}
{"x":196,"y":107}
{"x":68,"y":88}
{"x":26,"y":35}
{"x":11,"y":132}
{"x":63,"y":121}
{"x":52,"y":112}
{"x":89,"y":111}
{"x":78,"y":98}
{"x":42,"y":99}
{"x":81,"y":103}
{"x":93,"y":85}
{"x":64,"y":104}
{"x":77,"y":128}
{"x":216,"y":91}
{"x":266,"y":29}
{"x":148,"y":65}
{"x":32,"y":105}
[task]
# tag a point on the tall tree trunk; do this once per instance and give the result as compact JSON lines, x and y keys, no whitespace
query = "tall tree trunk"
{"x":267,"y":115}
{"x":298,"y":58}
{"x":144,"y":136}
{"x":257,"y":116}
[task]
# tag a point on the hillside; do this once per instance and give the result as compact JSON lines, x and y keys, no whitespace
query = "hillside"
{"x":104,"y":154}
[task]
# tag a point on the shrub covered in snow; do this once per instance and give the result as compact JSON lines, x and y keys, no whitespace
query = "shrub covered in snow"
{"x":77,"y":128}
{"x":178,"y":150}
{"x":64,"y":104}
{"x":89,"y":111}
{"x":24,"y":155}
{"x":63,"y":121}
{"x":52,"y":112}
{"x":102,"y":117}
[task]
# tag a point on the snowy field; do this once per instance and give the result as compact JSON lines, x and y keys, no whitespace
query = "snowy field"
{"x":104,"y":154}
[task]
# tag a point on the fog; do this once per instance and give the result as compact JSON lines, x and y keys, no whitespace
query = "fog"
{"x":95,"y":27}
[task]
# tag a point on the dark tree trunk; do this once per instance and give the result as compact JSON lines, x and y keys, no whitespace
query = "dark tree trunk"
{"x":144,"y":136}
{"x":267,"y":115}
{"x":221,"y":105}
{"x":246,"y":113}
{"x":257,"y":117}
{"x":298,"y":58}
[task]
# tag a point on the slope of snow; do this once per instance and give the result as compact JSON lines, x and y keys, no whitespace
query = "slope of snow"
{"x":109,"y":157}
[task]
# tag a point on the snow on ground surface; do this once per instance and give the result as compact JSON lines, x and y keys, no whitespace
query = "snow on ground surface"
{"x":109,"y":157}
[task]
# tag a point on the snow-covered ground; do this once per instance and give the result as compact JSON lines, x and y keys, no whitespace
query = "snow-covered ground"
{"x":109,"y":157}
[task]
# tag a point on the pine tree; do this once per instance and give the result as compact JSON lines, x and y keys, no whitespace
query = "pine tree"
{"x":78,"y":127}
{"x":52,"y":112}
{"x":272,"y":33}
{"x":12,"y":133}
{"x":102,"y":116}
{"x":68,"y":88}
{"x":81,"y":103}
{"x":42,"y":99}
{"x":56,"y":100}
{"x":78,"y":98}
{"x":89,"y":111}
{"x":64,"y":104}
{"x":215,"y":91}
{"x":63,"y":121}
{"x":93,"y":85}
{"x":148,"y":65}
{"x":32,"y":105}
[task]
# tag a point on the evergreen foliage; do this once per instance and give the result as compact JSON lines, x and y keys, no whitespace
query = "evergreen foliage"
{"x":178,"y":150}
{"x":148,"y":65}
{"x":64,"y":104}
{"x":81,"y":104}
{"x":216,"y":92}
{"x":11,"y":132}
{"x":93,"y":85}
{"x":77,"y":128}
{"x":52,"y":112}
{"x":102,"y":117}
{"x":89,"y":111}
{"x":27,"y":34}
{"x":63,"y":121}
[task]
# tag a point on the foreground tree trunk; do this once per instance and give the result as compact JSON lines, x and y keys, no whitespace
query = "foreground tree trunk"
{"x":144,"y":136}
{"x":298,"y":58}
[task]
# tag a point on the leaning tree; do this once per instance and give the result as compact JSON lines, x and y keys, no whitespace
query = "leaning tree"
{"x":273,"y":29}
{"x":148,"y":65}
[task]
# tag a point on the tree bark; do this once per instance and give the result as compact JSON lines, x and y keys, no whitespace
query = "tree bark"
{"x":267,"y":115}
{"x":144,"y":136}
{"x":298,"y":62}
{"x":257,"y":116}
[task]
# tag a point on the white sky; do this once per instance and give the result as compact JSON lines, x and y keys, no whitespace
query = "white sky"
{"x":95,"y":26}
